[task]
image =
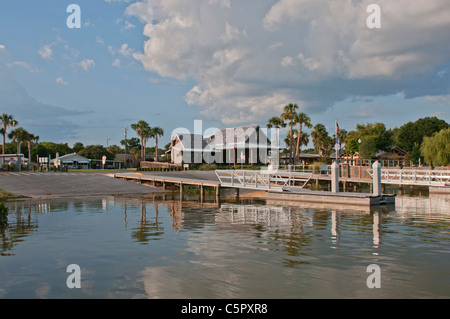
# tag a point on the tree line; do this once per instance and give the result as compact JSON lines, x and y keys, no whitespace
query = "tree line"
{"x":426,"y":140}
{"x":24,"y":142}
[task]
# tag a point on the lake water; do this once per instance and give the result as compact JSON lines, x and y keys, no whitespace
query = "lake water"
{"x":160,"y":247}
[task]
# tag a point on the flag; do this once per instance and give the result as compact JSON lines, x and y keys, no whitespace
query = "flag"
{"x":338,"y":143}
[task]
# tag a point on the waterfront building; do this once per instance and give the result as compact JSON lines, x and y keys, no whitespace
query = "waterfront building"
{"x":245,"y":145}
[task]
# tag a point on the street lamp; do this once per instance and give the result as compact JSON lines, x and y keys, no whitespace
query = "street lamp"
{"x":359,"y":150}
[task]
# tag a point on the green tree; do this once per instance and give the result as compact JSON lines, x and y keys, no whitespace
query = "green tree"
{"x":436,"y":148}
{"x":78,"y":146}
{"x":18,"y":135}
{"x":373,"y":137}
{"x":39,"y":151}
{"x":30,"y":139}
{"x":302,"y":119}
{"x":115,"y":149}
{"x":133,"y":142}
{"x":276,"y":122}
{"x":96,"y":152}
{"x":143,"y":130}
{"x":54,"y":148}
{"x":288,"y":115}
{"x":6,"y":121}
{"x":323,"y":143}
{"x":155,"y":132}
{"x":413,"y":133}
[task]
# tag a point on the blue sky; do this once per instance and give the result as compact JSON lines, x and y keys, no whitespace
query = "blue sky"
{"x":226,"y":62}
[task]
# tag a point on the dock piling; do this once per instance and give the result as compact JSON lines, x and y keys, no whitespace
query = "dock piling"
{"x":335,"y":177}
{"x":376,"y":178}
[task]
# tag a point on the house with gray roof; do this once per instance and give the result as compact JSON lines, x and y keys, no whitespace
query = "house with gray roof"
{"x":246,"y":145}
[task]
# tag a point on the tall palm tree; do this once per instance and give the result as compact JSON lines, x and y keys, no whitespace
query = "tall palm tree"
{"x":322,"y":141}
{"x":31,"y":139}
{"x":143,"y":130}
{"x":155,"y":132}
{"x":288,"y":115}
{"x":6,"y":121}
{"x":302,"y":120}
{"x":18,"y":135}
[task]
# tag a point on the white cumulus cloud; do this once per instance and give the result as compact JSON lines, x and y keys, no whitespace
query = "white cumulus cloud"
{"x":249,"y":58}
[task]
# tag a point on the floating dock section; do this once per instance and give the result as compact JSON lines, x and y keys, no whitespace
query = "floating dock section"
{"x":440,"y":189}
{"x":335,"y":197}
{"x":323,"y":197}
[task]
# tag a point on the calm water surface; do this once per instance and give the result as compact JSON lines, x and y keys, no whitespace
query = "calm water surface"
{"x":161,"y":247}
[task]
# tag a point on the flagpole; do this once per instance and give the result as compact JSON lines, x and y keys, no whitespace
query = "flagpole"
{"x":336,"y":142}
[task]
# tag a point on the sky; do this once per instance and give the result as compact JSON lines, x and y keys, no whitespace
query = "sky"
{"x":225,"y":62}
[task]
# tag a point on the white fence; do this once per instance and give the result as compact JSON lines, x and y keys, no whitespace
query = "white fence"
{"x":414,"y":177}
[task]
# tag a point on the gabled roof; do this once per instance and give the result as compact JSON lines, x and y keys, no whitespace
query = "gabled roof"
{"x":238,"y":136}
{"x":191,"y":142}
{"x":72,"y":157}
{"x":395,"y":150}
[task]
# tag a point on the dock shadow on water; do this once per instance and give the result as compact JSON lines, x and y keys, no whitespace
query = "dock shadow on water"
{"x":162,"y":246}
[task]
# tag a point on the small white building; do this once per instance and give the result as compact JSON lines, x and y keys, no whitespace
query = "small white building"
{"x":73,"y":161}
{"x":12,"y":159}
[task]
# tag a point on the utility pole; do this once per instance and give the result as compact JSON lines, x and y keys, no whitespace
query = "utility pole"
{"x":125,"y":157}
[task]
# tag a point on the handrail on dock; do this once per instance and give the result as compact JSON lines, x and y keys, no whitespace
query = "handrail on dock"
{"x":261,"y":179}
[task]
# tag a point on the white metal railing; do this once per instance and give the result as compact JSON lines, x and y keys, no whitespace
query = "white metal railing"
{"x":414,"y":177}
{"x":264,"y":180}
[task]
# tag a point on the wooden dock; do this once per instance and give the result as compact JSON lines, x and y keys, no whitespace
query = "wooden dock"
{"x":288,"y":193}
{"x":166,"y":180}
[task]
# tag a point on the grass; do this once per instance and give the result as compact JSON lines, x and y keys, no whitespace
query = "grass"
{"x":4,"y":195}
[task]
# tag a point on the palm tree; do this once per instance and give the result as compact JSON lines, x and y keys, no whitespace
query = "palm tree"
{"x":302,"y":139}
{"x":31,"y":139}
{"x":301,"y":119}
{"x":143,"y":130}
{"x":6,"y":121}
{"x":155,"y":132}
{"x":288,"y":115}
{"x":275,"y":122}
{"x":18,"y":135}
{"x":322,"y":141}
